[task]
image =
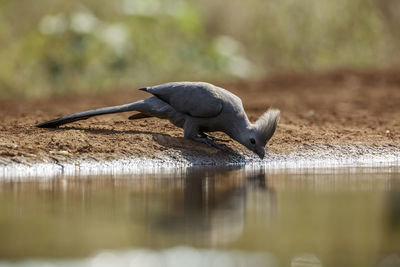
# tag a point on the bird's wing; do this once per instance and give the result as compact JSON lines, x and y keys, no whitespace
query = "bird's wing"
{"x":196,"y":99}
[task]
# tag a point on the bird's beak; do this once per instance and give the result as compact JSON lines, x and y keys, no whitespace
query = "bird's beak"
{"x":260,"y":152}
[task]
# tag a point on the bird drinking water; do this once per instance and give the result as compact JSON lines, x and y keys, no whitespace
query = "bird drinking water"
{"x":198,"y":108}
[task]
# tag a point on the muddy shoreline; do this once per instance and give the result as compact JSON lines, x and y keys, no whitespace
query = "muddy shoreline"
{"x":340,"y":114}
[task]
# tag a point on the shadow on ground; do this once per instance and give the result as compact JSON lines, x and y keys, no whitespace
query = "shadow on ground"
{"x":194,"y":152}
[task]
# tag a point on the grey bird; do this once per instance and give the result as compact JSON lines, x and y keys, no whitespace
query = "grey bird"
{"x":198,"y":108}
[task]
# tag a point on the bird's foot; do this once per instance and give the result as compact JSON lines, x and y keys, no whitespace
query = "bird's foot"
{"x":212,"y":138}
{"x":209,"y":142}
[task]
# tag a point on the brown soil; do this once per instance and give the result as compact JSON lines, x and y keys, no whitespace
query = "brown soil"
{"x":337,"y":108}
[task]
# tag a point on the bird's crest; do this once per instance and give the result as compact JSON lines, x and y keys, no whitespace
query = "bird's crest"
{"x":266,"y":124}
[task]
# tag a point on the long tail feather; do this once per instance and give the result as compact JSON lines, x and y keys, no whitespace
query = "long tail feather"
{"x":87,"y":114}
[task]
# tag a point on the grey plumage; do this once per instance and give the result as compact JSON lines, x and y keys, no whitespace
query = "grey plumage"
{"x":197,"y":107}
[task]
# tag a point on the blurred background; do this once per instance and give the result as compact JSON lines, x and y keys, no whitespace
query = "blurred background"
{"x":57,"y":47}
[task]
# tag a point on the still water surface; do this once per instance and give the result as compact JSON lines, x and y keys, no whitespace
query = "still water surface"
{"x":204,"y":217}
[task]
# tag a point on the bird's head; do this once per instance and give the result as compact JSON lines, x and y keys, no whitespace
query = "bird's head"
{"x":261,"y":131}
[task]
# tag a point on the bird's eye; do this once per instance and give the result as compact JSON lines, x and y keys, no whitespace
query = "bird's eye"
{"x":252,"y":141}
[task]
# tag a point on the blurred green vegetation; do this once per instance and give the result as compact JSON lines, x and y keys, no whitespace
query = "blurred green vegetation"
{"x":58,"y":46}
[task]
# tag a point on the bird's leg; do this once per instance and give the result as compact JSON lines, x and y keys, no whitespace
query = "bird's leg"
{"x":208,"y":142}
{"x":192,"y":132}
{"x":213,"y":138}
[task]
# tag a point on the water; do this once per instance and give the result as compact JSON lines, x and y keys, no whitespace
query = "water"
{"x":204,"y":217}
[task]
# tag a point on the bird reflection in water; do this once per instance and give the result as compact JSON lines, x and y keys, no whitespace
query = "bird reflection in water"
{"x":211,"y":208}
